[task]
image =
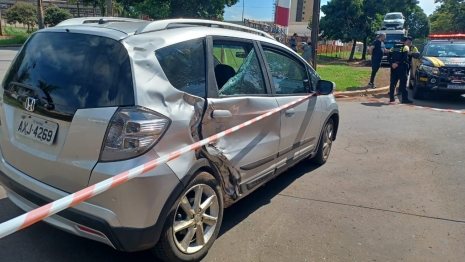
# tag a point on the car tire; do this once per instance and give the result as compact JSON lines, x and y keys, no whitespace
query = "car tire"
{"x":417,"y":93}
{"x":180,"y":239}
{"x":326,"y":141}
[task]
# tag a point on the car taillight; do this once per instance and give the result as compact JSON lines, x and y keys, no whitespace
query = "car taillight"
{"x":132,"y":132}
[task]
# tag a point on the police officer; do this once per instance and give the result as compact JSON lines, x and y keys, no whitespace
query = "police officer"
{"x":412,"y":49}
{"x":398,"y":59}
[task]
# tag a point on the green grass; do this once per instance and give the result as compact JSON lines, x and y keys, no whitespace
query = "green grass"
{"x":13,"y":31}
{"x":346,"y":77}
{"x":229,"y":56}
{"x":333,"y":69}
{"x":19,"y":36}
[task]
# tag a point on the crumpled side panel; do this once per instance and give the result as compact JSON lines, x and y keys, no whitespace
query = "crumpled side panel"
{"x":233,"y":153}
{"x":154,"y":91}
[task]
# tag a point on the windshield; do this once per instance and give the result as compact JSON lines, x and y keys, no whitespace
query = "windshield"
{"x":446,"y":50}
{"x":393,"y":17}
{"x":393,"y":38}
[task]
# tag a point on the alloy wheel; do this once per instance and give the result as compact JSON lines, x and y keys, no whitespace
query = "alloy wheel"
{"x":196,"y":218}
{"x":327,"y":141}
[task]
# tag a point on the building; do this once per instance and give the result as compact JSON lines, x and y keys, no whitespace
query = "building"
{"x":301,"y":11}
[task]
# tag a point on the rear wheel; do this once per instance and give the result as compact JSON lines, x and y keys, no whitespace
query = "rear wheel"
{"x":326,"y":141}
{"x":193,"y":223}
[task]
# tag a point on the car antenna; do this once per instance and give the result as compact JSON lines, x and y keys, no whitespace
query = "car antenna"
{"x":102,"y":21}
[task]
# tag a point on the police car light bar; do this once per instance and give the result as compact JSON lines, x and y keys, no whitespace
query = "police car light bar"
{"x":446,"y":36}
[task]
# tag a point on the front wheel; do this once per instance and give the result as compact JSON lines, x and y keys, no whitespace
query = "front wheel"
{"x":326,"y":141}
{"x":417,"y":93}
{"x":193,"y":222}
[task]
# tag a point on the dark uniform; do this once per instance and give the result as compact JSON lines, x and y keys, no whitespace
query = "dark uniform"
{"x":399,"y":55}
{"x":410,"y":58}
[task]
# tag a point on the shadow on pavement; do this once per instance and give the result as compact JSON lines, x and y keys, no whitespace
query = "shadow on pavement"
{"x":262,"y":196}
{"x":374,"y":104}
{"x":434,"y":100}
{"x":42,"y":242}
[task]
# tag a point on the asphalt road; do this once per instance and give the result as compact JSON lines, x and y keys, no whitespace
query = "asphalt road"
{"x":392,"y":190}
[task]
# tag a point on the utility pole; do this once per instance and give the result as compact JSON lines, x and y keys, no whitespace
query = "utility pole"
{"x":315,"y":30}
{"x":1,"y":32}
{"x":40,"y":14}
{"x":243,"y":8}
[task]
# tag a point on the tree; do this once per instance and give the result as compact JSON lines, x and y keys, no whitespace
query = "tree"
{"x":342,"y":21}
{"x":22,"y":13}
{"x":418,"y":24}
{"x":208,"y":9}
{"x":310,"y":23}
{"x":153,"y":10}
{"x":55,"y":15}
{"x":372,"y":16}
{"x":449,"y":17}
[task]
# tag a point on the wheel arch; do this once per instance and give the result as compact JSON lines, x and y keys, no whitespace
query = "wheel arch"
{"x":334,"y":115}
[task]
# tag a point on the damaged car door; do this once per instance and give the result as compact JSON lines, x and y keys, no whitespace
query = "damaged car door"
{"x":240,"y":92}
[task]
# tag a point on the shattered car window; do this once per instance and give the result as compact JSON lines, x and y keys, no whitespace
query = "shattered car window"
{"x":184,"y":66}
{"x":248,"y":79}
{"x":288,"y":75}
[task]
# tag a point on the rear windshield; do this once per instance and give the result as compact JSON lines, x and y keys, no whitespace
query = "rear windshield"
{"x":74,"y":70}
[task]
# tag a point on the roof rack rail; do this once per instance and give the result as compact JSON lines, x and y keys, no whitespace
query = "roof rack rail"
{"x":96,"y":20}
{"x":176,"y":23}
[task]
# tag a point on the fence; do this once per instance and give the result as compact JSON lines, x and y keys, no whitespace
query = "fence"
{"x":335,"y":51}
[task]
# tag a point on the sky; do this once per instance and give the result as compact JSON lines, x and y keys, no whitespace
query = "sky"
{"x":262,"y":10}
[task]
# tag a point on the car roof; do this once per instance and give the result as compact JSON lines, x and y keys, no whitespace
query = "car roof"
{"x":183,"y":29}
{"x":146,"y":26}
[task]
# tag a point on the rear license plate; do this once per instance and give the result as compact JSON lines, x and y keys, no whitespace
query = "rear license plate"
{"x":38,"y":129}
{"x":456,"y":86}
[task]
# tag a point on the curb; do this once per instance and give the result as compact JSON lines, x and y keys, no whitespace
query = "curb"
{"x":361,"y":92}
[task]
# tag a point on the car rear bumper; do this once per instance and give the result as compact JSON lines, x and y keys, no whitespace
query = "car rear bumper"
{"x":85,"y":219}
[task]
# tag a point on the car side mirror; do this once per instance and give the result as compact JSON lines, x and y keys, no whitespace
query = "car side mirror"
{"x":324,"y":87}
{"x":416,"y":55}
{"x":241,"y":55}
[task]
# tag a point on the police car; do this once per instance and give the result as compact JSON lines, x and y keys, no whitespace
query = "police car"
{"x":440,"y":66}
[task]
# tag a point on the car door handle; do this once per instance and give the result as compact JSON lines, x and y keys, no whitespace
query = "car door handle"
{"x":221,"y":114}
{"x":290,"y":112}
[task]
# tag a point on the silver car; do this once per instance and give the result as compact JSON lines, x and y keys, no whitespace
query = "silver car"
{"x":83,"y":103}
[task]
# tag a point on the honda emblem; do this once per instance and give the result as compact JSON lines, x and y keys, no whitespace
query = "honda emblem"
{"x":30,"y":104}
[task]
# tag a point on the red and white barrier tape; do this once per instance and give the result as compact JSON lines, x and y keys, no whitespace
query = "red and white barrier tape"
{"x":56,"y":206}
{"x":408,"y":105}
